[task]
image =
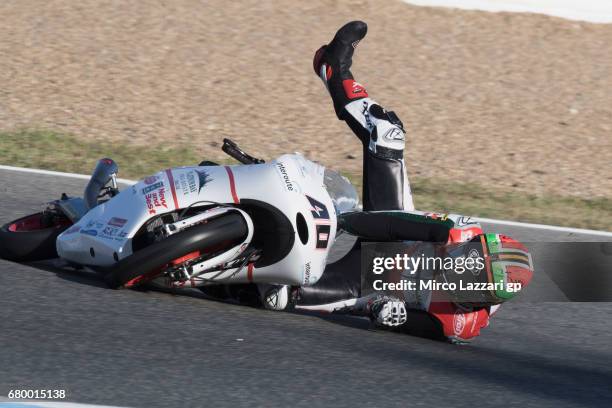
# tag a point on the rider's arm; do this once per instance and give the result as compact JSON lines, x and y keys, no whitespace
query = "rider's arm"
{"x":386,"y":226}
{"x":458,"y":324}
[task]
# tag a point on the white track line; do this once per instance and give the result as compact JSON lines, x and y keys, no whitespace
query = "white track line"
{"x":544,"y":227}
{"x":485,"y":220}
{"x":7,"y":402}
{"x":594,"y":11}
{"x":58,"y":173}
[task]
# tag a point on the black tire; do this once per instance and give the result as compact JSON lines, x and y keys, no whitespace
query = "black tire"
{"x":25,"y":245}
{"x":230,"y":229}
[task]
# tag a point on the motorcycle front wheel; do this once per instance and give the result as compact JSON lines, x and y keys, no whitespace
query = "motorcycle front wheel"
{"x":32,"y":238}
{"x":149,"y":262}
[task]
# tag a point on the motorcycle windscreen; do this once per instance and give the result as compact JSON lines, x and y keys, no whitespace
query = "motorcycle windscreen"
{"x":342,"y":192}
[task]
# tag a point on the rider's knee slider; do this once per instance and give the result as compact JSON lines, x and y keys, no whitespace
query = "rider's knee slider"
{"x":387,"y":138}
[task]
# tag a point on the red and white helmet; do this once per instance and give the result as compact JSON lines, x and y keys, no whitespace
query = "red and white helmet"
{"x":505,"y":269}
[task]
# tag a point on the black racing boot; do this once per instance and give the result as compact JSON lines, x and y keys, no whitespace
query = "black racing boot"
{"x":385,"y":183}
{"x":332,"y":63}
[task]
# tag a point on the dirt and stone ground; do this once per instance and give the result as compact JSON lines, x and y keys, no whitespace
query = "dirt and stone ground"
{"x":517,"y":101}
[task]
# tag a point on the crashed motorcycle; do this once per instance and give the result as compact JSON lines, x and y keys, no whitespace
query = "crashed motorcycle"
{"x":261,"y":222}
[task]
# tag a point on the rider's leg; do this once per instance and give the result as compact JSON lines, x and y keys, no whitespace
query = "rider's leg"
{"x":385,"y":183}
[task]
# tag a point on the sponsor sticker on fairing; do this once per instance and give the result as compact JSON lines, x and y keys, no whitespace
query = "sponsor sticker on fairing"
{"x":307,"y":269}
{"x":94,"y":224}
{"x":289,"y":184}
{"x":318,"y":209}
{"x":191,"y":181}
{"x":156,"y":200}
{"x":150,"y":180}
{"x":323,"y":231}
{"x":185,"y":183}
{"x":117,"y":222}
{"x":92,"y":232}
{"x":109,"y":232}
{"x":203,"y":179}
{"x":152,"y":187}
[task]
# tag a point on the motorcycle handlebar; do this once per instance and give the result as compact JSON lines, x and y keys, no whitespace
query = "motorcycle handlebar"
{"x":232,"y":149}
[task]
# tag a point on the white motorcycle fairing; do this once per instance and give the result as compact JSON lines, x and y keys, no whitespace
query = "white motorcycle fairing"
{"x":291,"y":184}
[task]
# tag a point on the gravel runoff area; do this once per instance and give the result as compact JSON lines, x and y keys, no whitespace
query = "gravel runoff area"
{"x":518,"y":101}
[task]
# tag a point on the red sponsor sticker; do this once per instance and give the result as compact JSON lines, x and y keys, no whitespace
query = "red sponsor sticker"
{"x":156,"y":200}
{"x":117,"y":222}
{"x":150,"y":180}
{"x":458,"y":322}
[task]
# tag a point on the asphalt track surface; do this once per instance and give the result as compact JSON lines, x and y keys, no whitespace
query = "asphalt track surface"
{"x":62,"y":329}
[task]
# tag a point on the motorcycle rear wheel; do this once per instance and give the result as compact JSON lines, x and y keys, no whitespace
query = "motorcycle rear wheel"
{"x":225,"y":231}
{"x":31,"y":238}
